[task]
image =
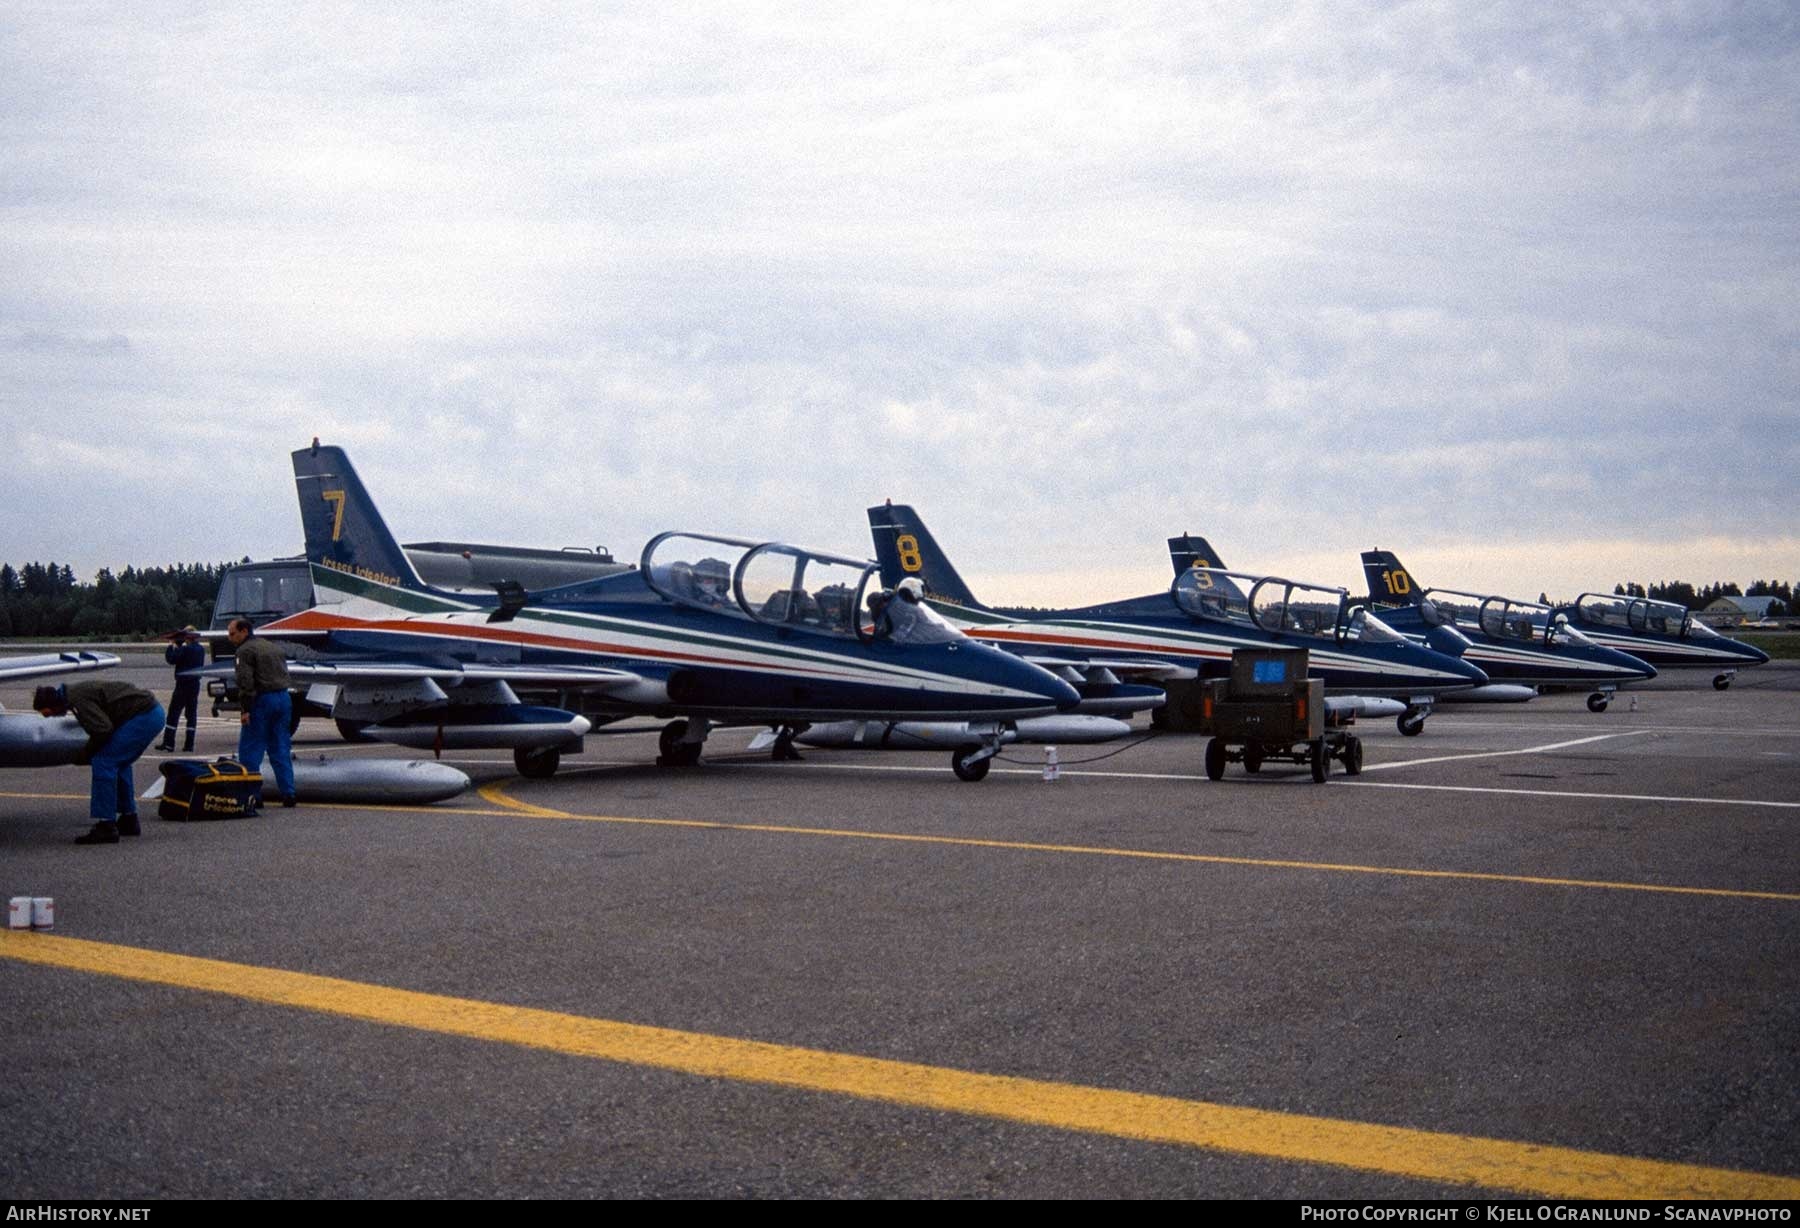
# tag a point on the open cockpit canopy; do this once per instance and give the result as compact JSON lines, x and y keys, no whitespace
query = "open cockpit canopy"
{"x":1641,"y":614}
{"x":1277,"y":605}
{"x":1501,"y":618}
{"x":770,"y":582}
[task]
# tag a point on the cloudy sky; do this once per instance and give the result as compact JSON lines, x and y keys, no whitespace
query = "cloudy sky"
{"x":1511,"y":289}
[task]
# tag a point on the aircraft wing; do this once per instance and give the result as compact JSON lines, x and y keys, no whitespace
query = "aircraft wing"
{"x":1122,"y":667}
{"x":14,"y":669}
{"x":575,"y":677}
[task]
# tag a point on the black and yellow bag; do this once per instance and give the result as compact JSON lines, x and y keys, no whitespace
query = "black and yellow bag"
{"x":194,"y":789}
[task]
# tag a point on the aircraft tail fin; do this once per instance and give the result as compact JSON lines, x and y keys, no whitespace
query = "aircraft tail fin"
{"x":905,"y":548}
{"x":344,"y":531}
{"x":1190,"y":551}
{"x":1389,"y":581}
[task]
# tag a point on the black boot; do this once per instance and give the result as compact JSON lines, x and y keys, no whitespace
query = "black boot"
{"x":187,"y":743}
{"x":105,"y":832}
{"x":128,"y":825}
{"x":168,"y":743}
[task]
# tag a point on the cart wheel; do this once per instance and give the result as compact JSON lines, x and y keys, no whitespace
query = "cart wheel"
{"x":967,"y":769}
{"x":1721,"y":682}
{"x":1215,"y":760}
{"x":1159,"y":716}
{"x":1353,"y":755}
{"x":1412,"y":724}
{"x":1253,"y":757}
{"x":1597,"y":702}
{"x":1321,"y":762}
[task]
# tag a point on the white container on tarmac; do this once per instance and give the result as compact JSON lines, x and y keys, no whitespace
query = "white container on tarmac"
{"x":43,"y":912}
{"x":18,"y":913}
{"x":1052,"y":769}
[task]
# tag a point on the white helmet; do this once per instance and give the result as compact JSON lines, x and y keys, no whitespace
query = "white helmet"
{"x":912,"y":586}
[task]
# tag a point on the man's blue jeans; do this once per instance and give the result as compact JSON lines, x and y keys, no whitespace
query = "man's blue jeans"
{"x":111,"y":793}
{"x":267,"y":733}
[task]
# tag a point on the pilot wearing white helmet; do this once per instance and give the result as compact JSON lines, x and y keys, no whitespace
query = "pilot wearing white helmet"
{"x":904,"y":612}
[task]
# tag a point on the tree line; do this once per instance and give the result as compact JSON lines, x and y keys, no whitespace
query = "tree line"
{"x":45,"y":599}
{"x":1682,"y":593}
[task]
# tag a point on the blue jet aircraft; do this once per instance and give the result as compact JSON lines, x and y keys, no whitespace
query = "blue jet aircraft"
{"x":707,"y":630}
{"x":1186,"y":633}
{"x":1515,"y":641}
{"x":1662,"y":633}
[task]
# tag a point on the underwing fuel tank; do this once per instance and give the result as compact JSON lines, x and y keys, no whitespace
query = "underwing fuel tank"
{"x":28,"y":740}
{"x":483,"y":726}
{"x":395,"y":782}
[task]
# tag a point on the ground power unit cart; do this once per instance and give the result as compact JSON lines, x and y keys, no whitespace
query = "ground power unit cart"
{"x":1270,"y":710}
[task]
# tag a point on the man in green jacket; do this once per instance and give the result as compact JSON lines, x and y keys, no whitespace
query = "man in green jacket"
{"x":121,"y":721}
{"x":267,"y":708}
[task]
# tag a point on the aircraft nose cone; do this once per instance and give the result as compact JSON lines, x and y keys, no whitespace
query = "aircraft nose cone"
{"x":1474,"y":673}
{"x":1027,"y":679}
{"x":1757,"y":655}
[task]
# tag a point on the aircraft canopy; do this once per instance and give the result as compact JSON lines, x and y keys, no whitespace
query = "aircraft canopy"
{"x":1280,"y":606}
{"x":1641,"y":614}
{"x":769,"y":582}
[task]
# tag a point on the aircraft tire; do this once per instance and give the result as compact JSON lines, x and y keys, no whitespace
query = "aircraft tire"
{"x":966,"y":769}
{"x":1253,"y":757}
{"x":1412,"y":724}
{"x":1597,"y":703}
{"x":352,"y":731}
{"x":1215,"y":759}
{"x":537,"y":764}
{"x":1353,"y":755}
{"x":673,"y":751}
{"x":1721,"y":681}
{"x":294,"y":718}
{"x":1321,"y":762}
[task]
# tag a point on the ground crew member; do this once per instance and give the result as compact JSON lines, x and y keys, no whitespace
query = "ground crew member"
{"x":121,"y":721}
{"x":184,"y":654}
{"x":262,"y":682}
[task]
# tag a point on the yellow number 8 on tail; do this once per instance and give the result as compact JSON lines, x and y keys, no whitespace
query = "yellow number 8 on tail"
{"x":908,"y":546}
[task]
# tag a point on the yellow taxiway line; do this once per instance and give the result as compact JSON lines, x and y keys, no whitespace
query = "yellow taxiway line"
{"x":1554,"y":1172}
{"x":496,"y":794}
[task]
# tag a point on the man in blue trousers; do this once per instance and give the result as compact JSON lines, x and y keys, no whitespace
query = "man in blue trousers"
{"x":262,"y":682}
{"x":184,"y":653}
{"x":121,"y":721}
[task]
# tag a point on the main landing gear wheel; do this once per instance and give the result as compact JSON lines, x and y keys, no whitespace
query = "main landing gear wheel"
{"x":1321,"y":762}
{"x":537,"y":763}
{"x":1721,"y":682}
{"x":1353,"y":755}
{"x":966,"y":766}
{"x":1597,"y":702}
{"x":352,"y":731}
{"x":675,"y":752}
{"x":1412,"y":724}
{"x":1253,"y":757}
{"x":1215,"y":760}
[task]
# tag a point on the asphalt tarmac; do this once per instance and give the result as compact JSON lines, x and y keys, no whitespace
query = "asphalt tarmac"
{"x":1535,"y":951}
